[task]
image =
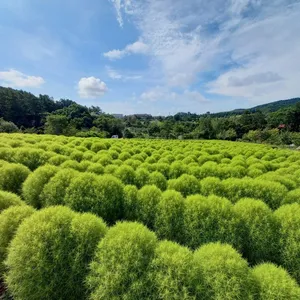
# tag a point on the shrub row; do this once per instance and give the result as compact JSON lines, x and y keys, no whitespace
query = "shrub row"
{"x":59,"y":254}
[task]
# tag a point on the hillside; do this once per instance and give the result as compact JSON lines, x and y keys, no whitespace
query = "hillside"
{"x":265,"y":108}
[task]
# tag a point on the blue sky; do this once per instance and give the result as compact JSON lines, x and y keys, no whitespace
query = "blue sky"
{"x":153,"y":56}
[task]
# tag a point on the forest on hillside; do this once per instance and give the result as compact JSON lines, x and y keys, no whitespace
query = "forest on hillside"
{"x":20,"y":111}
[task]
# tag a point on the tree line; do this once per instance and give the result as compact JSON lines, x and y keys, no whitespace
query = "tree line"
{"x":276,"y":123}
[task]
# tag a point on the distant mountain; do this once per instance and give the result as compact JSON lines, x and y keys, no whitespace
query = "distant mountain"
{"x":265,"y":108}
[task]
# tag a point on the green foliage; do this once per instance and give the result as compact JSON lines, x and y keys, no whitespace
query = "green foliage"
{"x":119,"y":270}
{"x":177,"y":169}
{"x":270,"y":192}
{"x":141,"y":177}
{"x":130,"y":203}
{"x":158,"y":179}
{"x":126,"y":174}
{"x":274,"y":283}
{"x":8,"y":199}
{"x":211,"y":185}
{"x":34,"y":184}
{"x":8,"y":127}
{"x":31,"y":158}
{"x":221,"y":273}
{"x":148,"y":198}
{"x":170,"y":272}
{"x":210,"y":219}
{"x":54,"y":191}
{"x":292,"y":197}
{"x":101,"y":195}
{"x":10,"y":219}
{"x":289,"y":238}
{"x":261,"y":233}
{"x":49,"y":256}
{"x":169,"y":222}
{"x":12,"y":177}
{"x":185,"y":184}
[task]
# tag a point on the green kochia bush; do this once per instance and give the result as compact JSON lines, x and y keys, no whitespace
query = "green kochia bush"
{"x":55,"y":190}
{"x":119,"y":270}
{"x":170,"y":272}
{"x":130,"y":203}
{"x":49,"y":256}
{"x":289,"y":243}
{"x":222,"y":273}
{"x":211,"y":185}
{"x":159,"y":180}
{"x":12,"y":177}
{"x":261,"y":233}
{"x":169,"y":222}
{"x":211,"y":219}
{"x":34,"y":184}
{"x":32,"y":158}
{"x":102,"y":195}
{"x":148,"y":198}
{"x":270,"y":192}
{"x":8,"y":199}
{"x":292,"y":197}
{"x":185,"y":184}
{"x":126,"y":174}
{"x":10,"y":219}
{"x":274,"y":283}
{"x":141,"y":177}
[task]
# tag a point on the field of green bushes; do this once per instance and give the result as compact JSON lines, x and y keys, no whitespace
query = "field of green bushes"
{"x":90,"y":218}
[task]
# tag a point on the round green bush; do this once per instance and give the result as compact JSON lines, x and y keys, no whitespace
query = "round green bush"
{"x":10,"y":219}
{"x":222,"y":273}
{"x":211,"y":219}
{"x":274,"y":283}
{"x":130,"y":203}
{"x":261,"y":230}
{"x":177,"y":169}
{"x":12,"y":177}
{"x":96,"y":147}
{"x":101,"y":195}
{"x":148,"y":198}
{"x":270,"y":192}
{"x":170,"y":272}
{"x":57,"y":160}
{"x":185,"y":184}
{"x":158,"y":179}
{"x":292,"y":197}
{"x":31,"y":158}
{"x":110,"y":169}
{"x":72,"y":164}
{"x":54,"y":191}
{"x":8,"y":199}
{"x":34,"y":184}
{"x":169,"y":220}
{"x":141,"y":177}
{"x":211,"y":185}
{"x":119,"y":270}
{"x":126,"y":174}
{"x":289,"y":238}
{"x":96,"y":168}
{"x":50,"y":254}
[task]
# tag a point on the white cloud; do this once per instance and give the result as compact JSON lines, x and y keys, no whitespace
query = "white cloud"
{"x":14,"y":78}
{"x":163,"y":94}
{"x":251,"y":45}
{"x":91,"y":87}
{"x":136,"y":48}
{"x":115,"y":75}
{"x":117,"y":5}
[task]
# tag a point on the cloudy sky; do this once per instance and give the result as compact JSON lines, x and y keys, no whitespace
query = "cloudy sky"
{"x":153,"y":56}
